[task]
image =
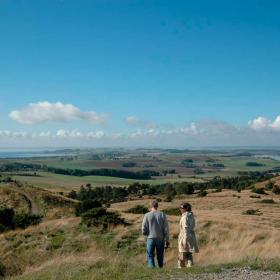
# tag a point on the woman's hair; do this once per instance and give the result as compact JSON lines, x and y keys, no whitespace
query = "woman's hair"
{"x":186,"y":206}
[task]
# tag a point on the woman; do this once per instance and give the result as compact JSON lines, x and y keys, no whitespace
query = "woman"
{"x":187,"y":239}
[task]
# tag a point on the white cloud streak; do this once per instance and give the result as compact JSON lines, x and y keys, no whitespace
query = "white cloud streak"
{"x":42,"y":112}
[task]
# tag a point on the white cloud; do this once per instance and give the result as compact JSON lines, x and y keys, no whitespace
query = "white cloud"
{"x":42,"y":112}
{"x":264,"y":124}
{"x":135,"y":121}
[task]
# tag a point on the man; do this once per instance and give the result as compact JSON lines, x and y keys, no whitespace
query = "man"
{"x":186,"y":240}
{"x":155,"y":228}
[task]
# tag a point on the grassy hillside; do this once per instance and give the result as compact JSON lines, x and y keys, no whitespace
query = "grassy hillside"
{"x":61,"y":248}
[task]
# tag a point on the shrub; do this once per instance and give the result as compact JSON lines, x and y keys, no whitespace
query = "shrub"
{"x":198,"y":171}
{"x":202,"y":193}
{"x":255,"y":196}
{"x":172,"y":211}
{"x":270,"y":201}
{"x":86,"y":205}
{"x":2,"y":270}
{"x":258,"y":190}
{"x":138,"y":209}
{"x":73,"y":194}
{"x":170,"y":192}
{"x":252,"y":212}
{"x":56,"y":241}
{"x":10,"y":220}
{"x":23,"y":220}
{"x":276,"y":189}
{"x":7,"y":218}
{"x":169,"y":198}
{"x":100,"y":217}
{"x":129,"y":164}
{"x":269,"y":186}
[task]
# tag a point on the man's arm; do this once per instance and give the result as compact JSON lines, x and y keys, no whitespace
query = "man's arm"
{"x":145,"y":226}
{"x":165,"y":228}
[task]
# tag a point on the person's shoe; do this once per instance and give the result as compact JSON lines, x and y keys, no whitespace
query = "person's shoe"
{"x":189,"y":264}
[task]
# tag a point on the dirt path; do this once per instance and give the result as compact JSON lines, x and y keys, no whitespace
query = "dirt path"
{"x":33,"y":207}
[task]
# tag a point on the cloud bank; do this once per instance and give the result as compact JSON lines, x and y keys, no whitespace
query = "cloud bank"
{"x":199,"y":133}
{"x":260,"y":131}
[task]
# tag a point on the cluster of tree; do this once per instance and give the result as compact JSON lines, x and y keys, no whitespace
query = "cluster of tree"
{"x":189,"y":163}
{"x":9,"y":219}
{"x":170,"y":171}
{"x":104,"y":195}
{"x":139,"y":175}
{"x":129,"y":164}
{"x":100,"y":217}
{"x":138,"y":209}
{"x":109,"y":194}
{"x":18,"y":166}
{"x":6,"y":179}
{"x":262,"y":175}
{"x":172,"y":211}
{"x":94,"y":214}
{"x":69,"y":158}
{"x":253,"y":163}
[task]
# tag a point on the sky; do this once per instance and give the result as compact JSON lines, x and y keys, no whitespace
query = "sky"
{"x":139,"y":73}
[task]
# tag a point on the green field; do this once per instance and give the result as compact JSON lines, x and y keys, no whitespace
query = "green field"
{"x":66,"y":183}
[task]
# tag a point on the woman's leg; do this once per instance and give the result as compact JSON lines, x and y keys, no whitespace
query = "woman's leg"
{"x":181,"y":260}
{"x":189,"y":258}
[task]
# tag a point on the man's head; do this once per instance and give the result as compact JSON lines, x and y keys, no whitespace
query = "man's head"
{"x":154,"y":205}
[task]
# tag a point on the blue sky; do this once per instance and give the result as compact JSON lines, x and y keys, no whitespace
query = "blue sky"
{"x":163,"y":72}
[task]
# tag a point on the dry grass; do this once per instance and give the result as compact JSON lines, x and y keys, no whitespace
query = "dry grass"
{"x":224,"y":235}
{"x":223,"y":232}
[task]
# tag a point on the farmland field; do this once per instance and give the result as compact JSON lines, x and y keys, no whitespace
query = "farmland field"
{"x":173,"y":166}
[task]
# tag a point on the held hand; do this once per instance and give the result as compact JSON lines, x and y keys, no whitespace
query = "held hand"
{"x":167,"y":244}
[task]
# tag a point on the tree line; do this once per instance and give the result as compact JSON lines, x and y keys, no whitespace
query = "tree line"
{"x":109,"y":194}
{"x":138,"y":175}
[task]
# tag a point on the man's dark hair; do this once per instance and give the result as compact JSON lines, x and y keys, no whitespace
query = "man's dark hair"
{"x":186,"y":206}
{"x":154,"y":204}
